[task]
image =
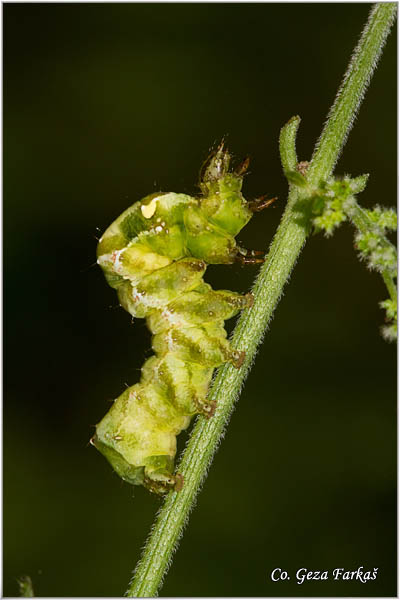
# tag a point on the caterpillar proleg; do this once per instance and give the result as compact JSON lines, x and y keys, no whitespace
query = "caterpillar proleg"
{"x":155,"y":255}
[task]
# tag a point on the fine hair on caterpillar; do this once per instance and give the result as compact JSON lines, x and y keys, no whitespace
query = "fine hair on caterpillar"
{"x":155,"y":255}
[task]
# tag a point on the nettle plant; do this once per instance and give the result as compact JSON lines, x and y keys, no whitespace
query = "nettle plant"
{"x":155,"y":255}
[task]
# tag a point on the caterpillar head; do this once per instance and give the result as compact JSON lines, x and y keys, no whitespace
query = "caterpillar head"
{"x":215,"y":167}
{"x":222,"y":200}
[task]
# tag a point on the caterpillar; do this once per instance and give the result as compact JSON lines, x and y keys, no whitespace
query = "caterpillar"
{"x":155,"y":255}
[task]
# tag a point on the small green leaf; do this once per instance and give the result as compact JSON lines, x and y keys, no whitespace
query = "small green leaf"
{"x":358,"y":184}
{"x":296,"y":178}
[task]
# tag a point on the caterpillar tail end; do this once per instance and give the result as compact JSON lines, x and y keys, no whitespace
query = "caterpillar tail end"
{"x":155,"y":476}
{"x":129,"y":473}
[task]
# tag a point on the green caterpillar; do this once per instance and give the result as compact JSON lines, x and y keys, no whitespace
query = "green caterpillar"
{"x":155,"y":255}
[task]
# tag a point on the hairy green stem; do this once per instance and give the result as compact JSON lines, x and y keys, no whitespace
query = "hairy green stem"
{"x":267,"y":291}
{"x":351,"y":92}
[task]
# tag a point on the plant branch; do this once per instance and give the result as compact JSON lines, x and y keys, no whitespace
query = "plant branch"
{"x":267,"y":290}
{"x":365,"y":225}
{"x":391,"y":286}
{"x":287,"y":144}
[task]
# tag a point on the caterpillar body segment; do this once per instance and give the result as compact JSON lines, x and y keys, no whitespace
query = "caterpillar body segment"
{"x":155,"y":255}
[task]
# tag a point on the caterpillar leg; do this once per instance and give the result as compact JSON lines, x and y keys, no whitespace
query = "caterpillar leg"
{"x":260,"y":203}
{"x":242,"y":167}
{"x":205,"y":406}
{"x":249,"y":257}
{"x":159,"y":477}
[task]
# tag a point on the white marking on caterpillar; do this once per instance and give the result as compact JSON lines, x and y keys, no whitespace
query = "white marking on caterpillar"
{"x":113,"y":257}
{"x":149,"y":209}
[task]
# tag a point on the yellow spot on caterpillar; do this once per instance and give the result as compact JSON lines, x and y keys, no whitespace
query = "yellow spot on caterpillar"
{"x":148,"y":210}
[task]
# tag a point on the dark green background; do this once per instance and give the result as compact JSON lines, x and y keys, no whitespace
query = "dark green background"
{"x":102,"y":105}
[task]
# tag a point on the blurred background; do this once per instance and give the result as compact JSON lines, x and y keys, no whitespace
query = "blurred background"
{"x":103,"y":104}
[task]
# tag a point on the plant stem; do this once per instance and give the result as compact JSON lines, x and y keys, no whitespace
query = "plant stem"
{"x":267,"y":290}
{"x":351,"y":92}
